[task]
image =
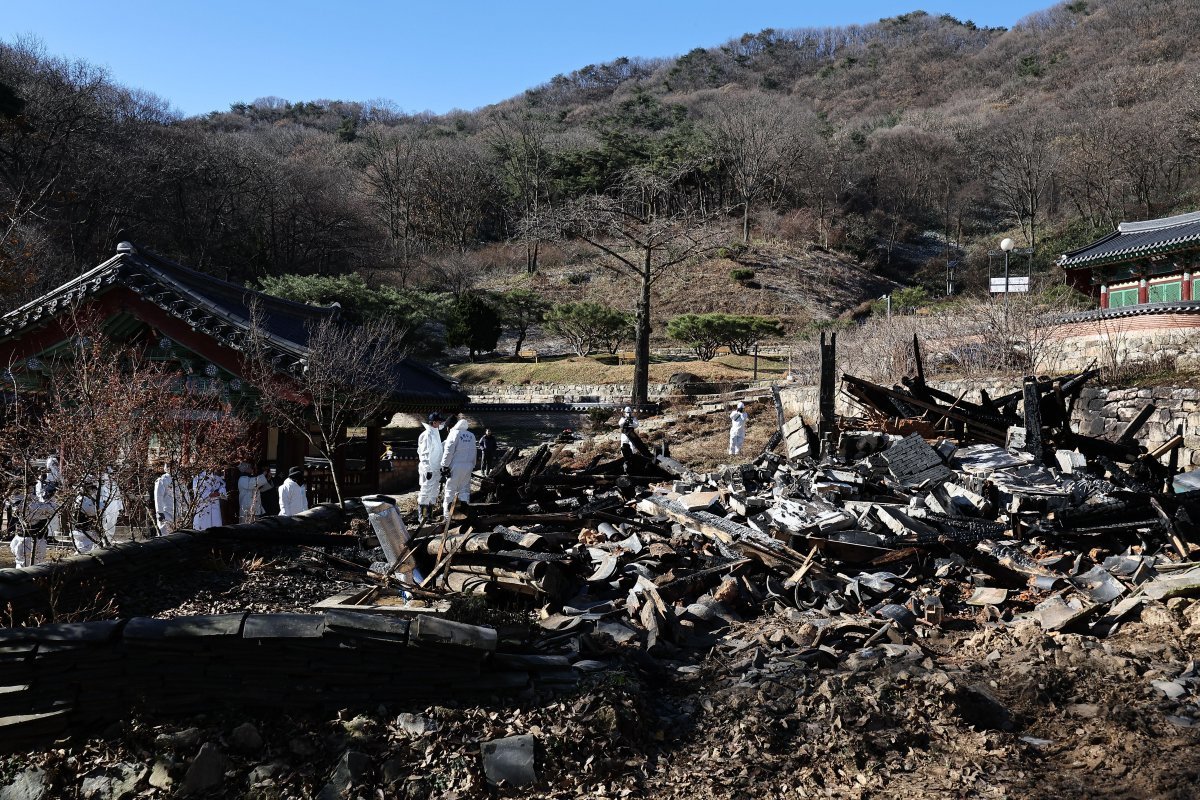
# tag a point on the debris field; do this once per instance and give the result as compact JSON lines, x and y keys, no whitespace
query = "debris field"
{"x":933,"y":596}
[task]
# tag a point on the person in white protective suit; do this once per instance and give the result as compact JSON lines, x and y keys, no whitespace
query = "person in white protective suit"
{"x":429,"y":468}
{"x":111,"y":505}
{"x":737,"y":429}
{"x":250,"y":489}
{"x":28,"y":518}
{"x":458,"y":461}
{"x":169,"y":502}
{"x":86,"y":532}
{"x":626,"y":425}
{"x":208,"y":487}
{"x":47,"y":488}
{"x":293,"y":496}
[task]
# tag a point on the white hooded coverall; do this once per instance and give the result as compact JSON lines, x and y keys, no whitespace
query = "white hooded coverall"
{"x":293,"y":498}
{"x":86,"y":535}
{"x":28,"y":546}
{"x":459,"y":455}
{"x":209,"y":490}
{"x":250,"y":489}
{"x":429,"y":465}
{"x":737,"y":431}
{"x":168,"y":503}
{"x":112,"y":503}
{"x":28,"y":551}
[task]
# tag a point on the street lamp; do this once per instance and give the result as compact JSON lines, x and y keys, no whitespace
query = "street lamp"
{"x":1006,"y":244}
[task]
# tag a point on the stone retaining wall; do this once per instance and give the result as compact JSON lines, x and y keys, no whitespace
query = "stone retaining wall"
{"x":1168,"y":339}
{"x":556,"y":392}
{"x":1106,"y":412}
{"x":76,"y":678}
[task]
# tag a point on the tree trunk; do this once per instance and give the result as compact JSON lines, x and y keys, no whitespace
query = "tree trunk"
{"x":337,"y":462}
{"x":746,"y":222}
{"x":520,"y":341}
{"x":641,"y":367}
{"x":531,"y":256}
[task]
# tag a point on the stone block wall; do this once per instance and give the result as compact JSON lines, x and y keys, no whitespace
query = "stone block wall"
{"x":1168,"y":339}
{"x":552,"y":392}
{"x":79,"y":677}
{"x":1105,"y":412}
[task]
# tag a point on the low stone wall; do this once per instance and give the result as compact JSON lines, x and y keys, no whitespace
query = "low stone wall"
{"x":1169,"y":339}
{"x":76,"y":678}
{"x":1106,"y":412}
{"x":559,"y":392}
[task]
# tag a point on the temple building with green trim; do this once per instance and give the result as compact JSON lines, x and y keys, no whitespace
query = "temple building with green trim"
{"x":1142,"y":267}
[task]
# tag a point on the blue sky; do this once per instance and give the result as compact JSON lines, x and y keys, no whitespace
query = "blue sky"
{"x":422,"y":55}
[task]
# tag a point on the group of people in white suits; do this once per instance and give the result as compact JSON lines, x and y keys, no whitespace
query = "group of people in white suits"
{"x":450,"y":461}
{"x":36,"y":515}
{"x":172,"y":501}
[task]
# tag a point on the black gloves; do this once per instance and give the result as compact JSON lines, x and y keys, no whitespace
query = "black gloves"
{"x":429,"y":476}
{"x":445,"y":472}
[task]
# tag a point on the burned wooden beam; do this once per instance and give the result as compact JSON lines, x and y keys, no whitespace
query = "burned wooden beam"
{"x":1032,"y":408}
{"x":1131,"y":430}
{"x":826,"y":421}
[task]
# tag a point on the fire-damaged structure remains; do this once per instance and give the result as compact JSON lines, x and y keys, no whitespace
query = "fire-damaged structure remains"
{"x":856,"y":539}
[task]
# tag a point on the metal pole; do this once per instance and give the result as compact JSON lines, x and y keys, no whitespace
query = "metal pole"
{"x":1006,"y":278}
{"x":755,"y":362}
{"x":889,"y":307}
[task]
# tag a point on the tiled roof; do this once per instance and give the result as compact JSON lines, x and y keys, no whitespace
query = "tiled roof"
{"x":1136,"y":240}
{"x":1173,"y":307}
{"x":221,"y":310}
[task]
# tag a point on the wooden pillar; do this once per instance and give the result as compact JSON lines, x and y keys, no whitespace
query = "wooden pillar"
{"x":1103,"y":296}
{"x":1143,"y":292}
{"x":1185,"y":291}
{"x":374,"y":451}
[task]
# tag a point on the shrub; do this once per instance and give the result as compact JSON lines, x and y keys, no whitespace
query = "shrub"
{"x":704,"y":333}
{"x":589,"y":325}
{"x":741,"y":274}
{"x":474,"y":324}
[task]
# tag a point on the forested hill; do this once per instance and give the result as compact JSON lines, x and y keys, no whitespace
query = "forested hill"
{"x":901,"y":144}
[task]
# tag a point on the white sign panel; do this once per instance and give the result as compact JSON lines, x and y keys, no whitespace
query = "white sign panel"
{"x":1015,"y":284}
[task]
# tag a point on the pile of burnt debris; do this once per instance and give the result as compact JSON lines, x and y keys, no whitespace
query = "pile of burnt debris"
{"x":926,"y":511}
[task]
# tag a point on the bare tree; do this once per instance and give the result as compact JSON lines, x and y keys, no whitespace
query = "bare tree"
{"x":753,"y":134}
{"x":1020,"y":161}
{"x":525,"y":147}
{"x":115,"y":411}
{"x":345,"y":379}
{"x":643,"y":231}
{"x":391,"y":162}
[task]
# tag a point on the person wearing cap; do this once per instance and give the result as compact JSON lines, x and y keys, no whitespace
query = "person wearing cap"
{"x":293,"y":496}
{"x":458,"y":462}
{"x":208,"y":487}
{"x":737,"y":429}
{"x":627,"y":424}
{"x":250,"y":489}
{"x":429,"y":467}
{"x":487,"y":450}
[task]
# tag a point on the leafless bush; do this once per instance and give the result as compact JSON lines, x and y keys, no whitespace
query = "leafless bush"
{"x":970,"y":339}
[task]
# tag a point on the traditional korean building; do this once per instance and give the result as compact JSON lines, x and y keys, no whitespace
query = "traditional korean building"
{"x":199,"y":321}
{"x":1143,"y":267}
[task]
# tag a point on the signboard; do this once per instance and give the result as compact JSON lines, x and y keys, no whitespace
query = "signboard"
{"x":1015,"y":284}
